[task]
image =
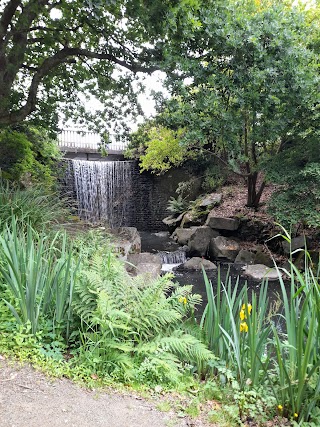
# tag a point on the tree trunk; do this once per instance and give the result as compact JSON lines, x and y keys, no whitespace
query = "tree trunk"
{"x":254,"y":194}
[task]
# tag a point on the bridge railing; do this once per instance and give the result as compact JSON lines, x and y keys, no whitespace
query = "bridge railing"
{"x":78,"y":140}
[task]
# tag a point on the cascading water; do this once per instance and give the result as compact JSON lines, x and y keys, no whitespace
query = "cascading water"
{"x":103,"y":190}
{"x":175,"y":257}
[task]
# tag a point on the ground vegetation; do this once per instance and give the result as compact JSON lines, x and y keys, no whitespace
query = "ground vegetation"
{"x":68,"y":305}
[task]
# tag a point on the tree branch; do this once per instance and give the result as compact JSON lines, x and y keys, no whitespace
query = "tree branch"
{"x":7,"y":16}
{"x":49,"y":64}
{"x":134,"y":67}
{"x":243,"y":175}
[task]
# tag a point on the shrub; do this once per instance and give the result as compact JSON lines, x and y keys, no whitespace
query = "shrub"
{"x":132,"y":331}
{"x":28,"y":150}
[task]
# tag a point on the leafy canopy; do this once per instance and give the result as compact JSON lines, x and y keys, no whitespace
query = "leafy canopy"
{"x":90,"y":47}
{"x":243,"y":80}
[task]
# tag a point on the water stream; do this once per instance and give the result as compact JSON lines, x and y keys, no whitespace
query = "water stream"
{"x":103,"y":190}
{"x":169,"y":250}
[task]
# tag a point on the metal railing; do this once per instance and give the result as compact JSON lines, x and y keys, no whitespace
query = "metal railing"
{"x":76,"y":140}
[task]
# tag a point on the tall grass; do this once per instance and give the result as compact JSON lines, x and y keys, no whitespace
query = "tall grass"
{"x":285,"y":360}
{"x":35,"y":206}
{"x":40,"y":275}
{"x":297,"y":347}
{"x":235,"y":324}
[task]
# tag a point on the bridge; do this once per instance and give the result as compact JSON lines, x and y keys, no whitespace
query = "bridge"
{"x":79,"y":144}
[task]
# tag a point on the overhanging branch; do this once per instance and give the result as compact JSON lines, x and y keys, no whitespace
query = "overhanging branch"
{"x":50,"y":63}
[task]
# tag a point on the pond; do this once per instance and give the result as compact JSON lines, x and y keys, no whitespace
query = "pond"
{"x":162,"y":243}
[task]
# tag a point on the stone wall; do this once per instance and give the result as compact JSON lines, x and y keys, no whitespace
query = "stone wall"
{"x":150,"y":194}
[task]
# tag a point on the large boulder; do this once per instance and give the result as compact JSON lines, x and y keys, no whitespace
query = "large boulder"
{"x":173,"y":221}
{"x":192,"y":218}
{"x":126,"y":240}
{"x":252,"y":230}
{"x":261,"y":272}
{"x":222,"y":223}
{"x":183,"y":235}
{"x":196,"y":263}
{"x":245,"y":257}
{"x":198,"y":243}
{"x":298,"y":242}
{"x":262,"y":257}
{"x":144,"y":264}
{"x":221,"y":247}
{"x":212,"y":199}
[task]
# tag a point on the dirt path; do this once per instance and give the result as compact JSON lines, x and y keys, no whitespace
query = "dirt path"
{"x":30,"y":399}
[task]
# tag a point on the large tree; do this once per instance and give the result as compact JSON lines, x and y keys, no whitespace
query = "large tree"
{"x":52,"y":50}
{"x":245,"y":83}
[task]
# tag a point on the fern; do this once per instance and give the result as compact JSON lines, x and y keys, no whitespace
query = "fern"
{"x":128,"y":326}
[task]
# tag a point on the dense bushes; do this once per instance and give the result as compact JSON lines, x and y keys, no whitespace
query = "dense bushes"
{"x":27,"y":154}
{"x":35,"y":206}
{"x":78,"y":297}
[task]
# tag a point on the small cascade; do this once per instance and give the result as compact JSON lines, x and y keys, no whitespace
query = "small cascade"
{"x":103,"y":190}
{"x":175,"y":257}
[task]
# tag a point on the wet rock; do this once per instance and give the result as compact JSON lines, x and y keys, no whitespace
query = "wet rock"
{"x":144,"y":263}
{"x":221,"y":247}
{"x":298,"y":242}
{"x":195,"y":263}
{"x":199,"y":241}
{"x":173,"y":221}
{"x":127,"y":241}
{"x":245,"y":257}
{"x":183,"y":235}
{"x":212,"y":199}
{"x":263,"y":258}
{"x":222,"y":223}
{"x":260,"y":272}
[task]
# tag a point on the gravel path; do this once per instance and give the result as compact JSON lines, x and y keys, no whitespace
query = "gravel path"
{"x":30,"y":399}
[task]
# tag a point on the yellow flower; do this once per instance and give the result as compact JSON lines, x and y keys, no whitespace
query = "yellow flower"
{"x":243,"y":311}
{"x":295,"y":415}
{"x":243,"y":327}
{"x":249,"y":308}
{"x":183,"y":300}
{"x":280,"y":407}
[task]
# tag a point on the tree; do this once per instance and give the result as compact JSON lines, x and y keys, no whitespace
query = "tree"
{"x":297,"y":171}
{"x":244,"y":83}
{"x":28,"y":154}
{"x":46,"y":62}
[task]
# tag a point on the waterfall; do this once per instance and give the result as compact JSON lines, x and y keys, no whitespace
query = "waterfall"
{"x":175,"y":257}
{"x":103,"y":190}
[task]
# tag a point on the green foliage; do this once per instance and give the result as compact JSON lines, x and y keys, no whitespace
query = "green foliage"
{"x":162,"y":150}
{"x":35,"y":206}
{"x":215,"y":176}
{"x":237,"y":330}
{"x":39,"y":276}
{"x":58,"y":64}
{"x":243,"y":80}
{"x":28,"y":154}
{"x":297,"y":170}
{"x":269,"y":367}
{"x":132,"y":331}
{"x":297,"y":347}
{"x":177,"y":205}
